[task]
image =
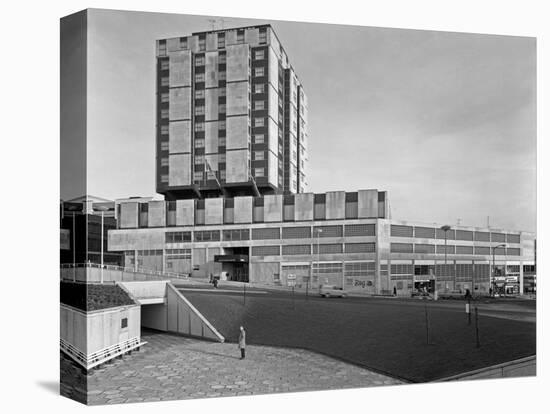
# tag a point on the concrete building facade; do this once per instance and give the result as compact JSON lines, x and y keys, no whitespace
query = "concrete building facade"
{"x":341,"y":238}
{"x":231,"y":116}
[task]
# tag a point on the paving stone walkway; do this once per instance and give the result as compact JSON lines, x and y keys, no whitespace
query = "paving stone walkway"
{"x":172,"y":367}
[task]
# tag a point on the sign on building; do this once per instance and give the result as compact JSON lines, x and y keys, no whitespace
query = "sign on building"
{"x":291,"y":280}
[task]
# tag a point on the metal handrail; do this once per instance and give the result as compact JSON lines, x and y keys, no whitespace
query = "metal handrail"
{"x":125,"y":269}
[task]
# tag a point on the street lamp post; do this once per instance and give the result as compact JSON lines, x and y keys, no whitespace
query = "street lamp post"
{"x":445,"y":229}
{"x":494,"y":267}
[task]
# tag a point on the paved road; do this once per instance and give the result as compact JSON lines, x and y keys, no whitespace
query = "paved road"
{"x":173,"y":367}
{"x":513,"y":309}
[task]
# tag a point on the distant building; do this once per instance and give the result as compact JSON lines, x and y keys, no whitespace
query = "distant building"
{"x":80,"y":222}
{"x":231,"y":116}
{"x":340,"y":238}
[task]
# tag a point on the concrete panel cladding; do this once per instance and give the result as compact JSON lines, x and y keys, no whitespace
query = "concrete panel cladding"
{"x":237,"y":62}
{"x":303,"y":206}
{"x":211,"y":138}
{"x":211,"y":69}
{"x":180,"y":137}
{"x":243,"y":209}
{"x":231,"y":37}
{"x":180,"y":104}
{"x":179,"y":169}
{"x":129,"y":215}
{"x":185,"y":212}
{"x":237,"y":166}
{"x":272,"y":169}
{"x":237,"y":133}
{"x":252,"y":36}
{"x":180,"y":68}
{"x":173,"y":44}
{"x":237,"y":98}
{"x":336,"y":205}
{"x":273,"y":137}
{"x":211,"y":41}
{"x":367,"y":204}
{"x":273,"y":70}
{"x":213,"y":211}
{"x":273,"y":103}
{"x":211,"y":104}
{"x":273,"y":208}
{"x":156,"y":214}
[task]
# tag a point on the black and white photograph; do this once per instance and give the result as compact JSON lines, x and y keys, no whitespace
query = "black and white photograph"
{"x":252,"y":207}
{"x":276,"y":207}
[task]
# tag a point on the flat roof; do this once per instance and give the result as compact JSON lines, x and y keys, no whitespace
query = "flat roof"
{"x":93,"y":297}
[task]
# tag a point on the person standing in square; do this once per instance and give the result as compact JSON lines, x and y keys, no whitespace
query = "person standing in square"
{"x":242,"y":342}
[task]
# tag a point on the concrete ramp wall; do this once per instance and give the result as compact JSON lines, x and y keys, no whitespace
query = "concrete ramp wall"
{"x":184,"y":318}
{"x":164,"y":308}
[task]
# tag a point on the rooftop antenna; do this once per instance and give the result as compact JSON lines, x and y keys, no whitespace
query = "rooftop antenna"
{"x":488,"y":223}
{"x":458,"y":221}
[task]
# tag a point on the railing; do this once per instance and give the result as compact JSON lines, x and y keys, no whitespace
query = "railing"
{"x":101,"y":356}
{"x":139,"y":271}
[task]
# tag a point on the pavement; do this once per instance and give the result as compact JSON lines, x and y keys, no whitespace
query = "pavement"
{"x":172,"y":367}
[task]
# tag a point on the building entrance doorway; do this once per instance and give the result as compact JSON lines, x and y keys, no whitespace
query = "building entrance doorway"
{"x":424,"y":286}
{"x":424,"y":280}
{"x":234,"y":264}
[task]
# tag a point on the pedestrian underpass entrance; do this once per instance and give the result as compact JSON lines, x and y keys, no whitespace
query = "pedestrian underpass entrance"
{"x":164,"y":308}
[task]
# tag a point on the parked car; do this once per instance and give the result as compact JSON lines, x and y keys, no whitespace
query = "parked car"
{"x":332,"y":291}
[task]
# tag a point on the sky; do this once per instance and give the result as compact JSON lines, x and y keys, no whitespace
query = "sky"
{"x":445,"y":122}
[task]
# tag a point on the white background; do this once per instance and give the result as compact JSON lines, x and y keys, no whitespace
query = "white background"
{"x":30,"y":192}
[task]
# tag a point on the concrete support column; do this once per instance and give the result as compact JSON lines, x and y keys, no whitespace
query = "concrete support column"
{"x":163,"y":260}
{"x":135,"y":260}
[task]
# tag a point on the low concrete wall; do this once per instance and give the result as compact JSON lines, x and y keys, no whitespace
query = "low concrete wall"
{"x":146,"y":289}
{"x":524,"y":367}
{"x":95,"y":275}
